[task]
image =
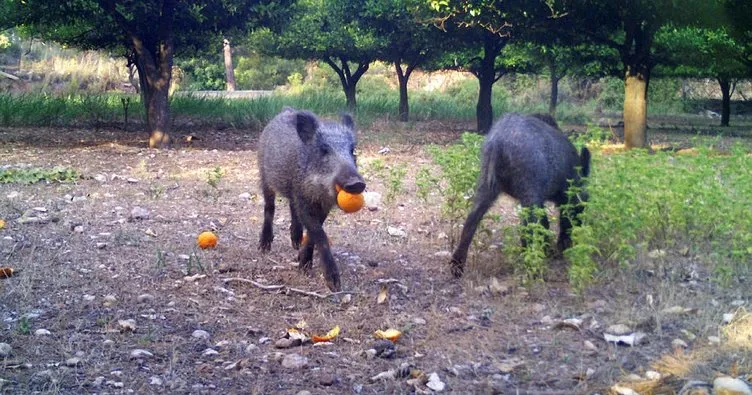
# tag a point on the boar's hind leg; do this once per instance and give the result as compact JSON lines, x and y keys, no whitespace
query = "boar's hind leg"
{"x":312,"y":218}
{"x":484,"y":198}
{"x":296,"y":228}
{"x":267,"y":234}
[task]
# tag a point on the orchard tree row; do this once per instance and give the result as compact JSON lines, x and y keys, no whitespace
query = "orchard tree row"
{"x":636,"y":40}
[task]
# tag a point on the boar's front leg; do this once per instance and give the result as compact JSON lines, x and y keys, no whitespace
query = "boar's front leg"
{"x":312,"y":218}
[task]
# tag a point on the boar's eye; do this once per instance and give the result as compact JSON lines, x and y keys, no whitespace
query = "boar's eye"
{"x":324,"y":149}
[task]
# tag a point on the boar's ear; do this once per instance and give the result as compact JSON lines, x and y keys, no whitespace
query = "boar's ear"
{"x":348,"y":121}
{"x":306,"y":125}
{"x":585,"y":161}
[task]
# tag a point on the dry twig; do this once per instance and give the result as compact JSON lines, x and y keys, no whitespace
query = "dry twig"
{"x":284,"y":288}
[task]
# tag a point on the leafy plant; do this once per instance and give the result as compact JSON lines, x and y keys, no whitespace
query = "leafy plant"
{"x":34,"y":175}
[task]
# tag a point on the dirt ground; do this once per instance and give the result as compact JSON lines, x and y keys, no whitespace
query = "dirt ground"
{"x":89,"y":265}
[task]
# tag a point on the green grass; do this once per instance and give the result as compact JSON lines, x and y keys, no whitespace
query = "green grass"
{"x":34,"y":175}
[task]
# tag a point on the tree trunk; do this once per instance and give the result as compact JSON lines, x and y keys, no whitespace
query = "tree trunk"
{"x":403,"y":77}
{"x":229,"y":70}
{"x":154,"y":64}
{"x":487,"y":76}
{"x":349,"y":80}
{"x":726,"y":103}
{"x":554,"y":99}
{"x":635,"y":110}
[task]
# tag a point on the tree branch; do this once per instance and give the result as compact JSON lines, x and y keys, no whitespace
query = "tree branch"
{"x":284,"y":288}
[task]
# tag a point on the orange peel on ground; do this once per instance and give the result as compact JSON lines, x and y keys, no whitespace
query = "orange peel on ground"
{"x":328,"y":337}
{"x":389,"y":334}
{"x":207,"y":240}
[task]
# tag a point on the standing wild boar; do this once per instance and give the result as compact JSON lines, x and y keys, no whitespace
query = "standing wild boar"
{"x":303,"y":158}
{"x":529,"y":158}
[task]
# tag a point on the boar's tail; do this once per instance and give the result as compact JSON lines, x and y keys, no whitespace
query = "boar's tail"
{"x":490,"y":160}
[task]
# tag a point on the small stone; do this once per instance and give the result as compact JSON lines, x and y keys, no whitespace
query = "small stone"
{"x":200,"y":334}
{"x":140,"y":213}
{"x":652,"y":375}
{"x":347,"y":298}
{"x":372,"y":200}
{"x":101,"y":246}
{"x":442,"y":254}
{"x":589,"y":372}
{"x":145,"y":298}
{"x":679,"y":343}
{"x":140,"y":353}
{"x":251,"y":348}
{"x":294,"y":361}
{"x":621,"y":390}
{"x":108,"y":342}
{"x":714,"y":340}
{"x":287,"y":343}
{"x":728,"y":317}
{"x":370,"y":353}
{"x":222,"y":344}
{"x":132,"y":180}
{"x":89,"y":298}
{"x":696,"y":387}
{"x":42,"y":332}
{"x":618,"y":330}
{"x":730,"y":386}
{"x":116,"y":384}
{"x":537,"y":308}
{"x":396,"y":232}
{"x":497,"y":288}
{"x":384,"y":348}
{"x":245,"y":196}
{"x":737,"y":303}
{"x":303,"y":392}
{"x":655,"y":254}
{"x":210,"y":352}
{"x":109,"y":300}
{"x":689,"y":335}
{"x":590,"y":346}
{"x":73,"y":362}
{"x":419,"y":321}
{"x":98,"y":381}
{"x":154,"y":380}
{"x":5,"y":350}
{"x":327,"y":380}
{"x":128,"y":325}
{"x":78,"y":229}
{"x":265,"y":340}
{"x":547,"y":320}
{"x":435,"y":383}
{"x":102,"y":178}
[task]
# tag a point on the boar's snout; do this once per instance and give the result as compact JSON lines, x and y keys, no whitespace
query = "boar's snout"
{"x":354,"y":185}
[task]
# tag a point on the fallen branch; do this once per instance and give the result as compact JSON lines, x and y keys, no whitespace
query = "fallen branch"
{"x":283,"y":287}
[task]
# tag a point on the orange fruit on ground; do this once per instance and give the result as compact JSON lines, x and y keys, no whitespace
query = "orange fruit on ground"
{"x":207,"y":240}
{"x":350,"y":202}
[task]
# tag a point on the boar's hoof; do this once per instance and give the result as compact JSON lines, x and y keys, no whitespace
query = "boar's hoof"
{"x":265,"y":245}
{"x":333,"y":284}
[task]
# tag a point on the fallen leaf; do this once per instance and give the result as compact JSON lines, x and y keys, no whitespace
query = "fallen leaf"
{"x":382,"y":295}
{"x":329,"y":335}
{"x":301,"y":325}
{"x":295,"y":334}
{"x":2,"y":223}
{"x":389,"y":334}
{"x":6,"y":272}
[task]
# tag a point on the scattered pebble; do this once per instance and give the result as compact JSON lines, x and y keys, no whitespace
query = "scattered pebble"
{"x":652,"y":375}
{"x":5,"y":350}
{"x":140,"y":353}
{"x":679,"y":343}
{"x":108,"y":342}
{"x":435,"y":383}
{"x":251,"y":348}
{"x":128,"y":325}
{"x":396,"y":232}
{"x":98,"y":381}
{"x":618,"y":330}
{"x":287,"y":343}
{"x":245,"y":196}
{"x":730,"y":386}
{"x":728,"y":317}
{"x":201,"y":334}
{"x":145,"y":298}
{"x":419,"y":321}
{"x":737,"y":303}
{"x":140,"y":213}
{"x":73,"y":362}
{"x":154,"y":380}
{"x":689,"y":335}
{"x":715,"y":340}
{"x":294,"y":361}
{"x":210,"y":352}
{"x":547,"y":320}
{"x":109,"y":300}
{"x":42,"y":332}
{"x":442,"y":254}
{"x":327,"y":380}
{"x":346,"y":299}
{"x":590,"y":346}
{"x":265,"y":340}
